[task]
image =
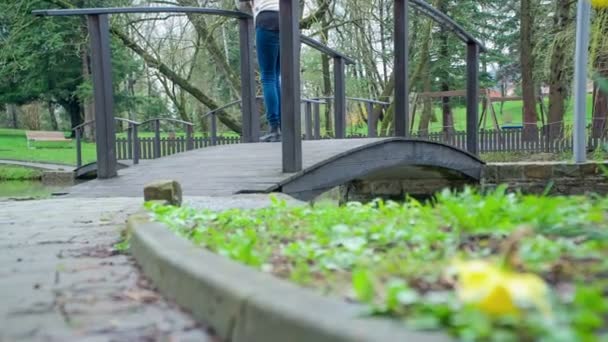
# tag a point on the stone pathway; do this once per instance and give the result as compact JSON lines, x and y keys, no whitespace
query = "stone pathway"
{"x":61,"y":280}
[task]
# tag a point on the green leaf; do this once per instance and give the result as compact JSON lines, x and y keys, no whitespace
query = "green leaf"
{"x":363,"y":285}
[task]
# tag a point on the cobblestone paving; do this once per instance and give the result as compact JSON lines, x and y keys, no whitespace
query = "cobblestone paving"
{"x":62,"y":280}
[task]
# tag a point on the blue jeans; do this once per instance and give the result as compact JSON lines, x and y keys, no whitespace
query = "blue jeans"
{"x":267,"y":43}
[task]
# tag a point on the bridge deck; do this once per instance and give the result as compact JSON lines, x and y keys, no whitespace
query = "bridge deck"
{"x":228,"y":169}
{"x":215,"y":171}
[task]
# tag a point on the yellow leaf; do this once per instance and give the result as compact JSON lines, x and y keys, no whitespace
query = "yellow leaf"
{"x":500,"y":292}
{"x":599,"y":3}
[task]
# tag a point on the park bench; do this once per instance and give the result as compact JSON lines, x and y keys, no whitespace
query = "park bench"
{"x":45,"y":136}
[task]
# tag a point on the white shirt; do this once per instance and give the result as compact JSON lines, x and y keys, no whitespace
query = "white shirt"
{"x":264,"y":5}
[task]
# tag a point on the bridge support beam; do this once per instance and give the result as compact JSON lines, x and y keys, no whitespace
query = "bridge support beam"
{"x":99,"y":32}
{"x":290,"y":86}
{"x":340,"y":97}
{"x":317,"y":121}
{"x":472,"y":97}
{"x":251,"y":119}
{"x":308,"y":120}
{"x":401,"y":68}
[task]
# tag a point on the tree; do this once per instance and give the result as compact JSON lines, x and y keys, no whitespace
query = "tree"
{"x":559,"y":71}
{"x":43,"y":59}
{"x":599,"y":58}
{"x":530,"y":115}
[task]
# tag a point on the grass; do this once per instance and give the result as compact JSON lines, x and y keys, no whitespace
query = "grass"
{"x":512,"y":114}
{"x":25,"y":189}
{"x":531,"y":267}
{"x":13,"y":146}
{"x":17,"y":173}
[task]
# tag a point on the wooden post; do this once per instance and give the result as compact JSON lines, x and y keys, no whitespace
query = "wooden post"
{"x":472,"y":97}
{"x":136,"y":145}
{"x":78,"y":147}
{"x":317,"y":115}
{"x":401,"y":68}
{"x":189,"y":141}
{"x":372,"y":125}
{"x":308,"y":120}
{"x":290,"y":85}
{"x":251,"y":121}
{"x":157,"y":147}
{"x":130,"y":141}
{"x":340,"y":98}
{"x":99,"y":33}
{"x":213,"y":129}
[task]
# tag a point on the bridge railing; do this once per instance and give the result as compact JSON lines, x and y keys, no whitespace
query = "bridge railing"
{"x":157,"y":142}
{"x":312,"y":116}
{"x":135,"y":147}
{"x":131,"y":137}
{"x":290,"y":43}
{"x":372,"y":120}
{"x":99,"y":32}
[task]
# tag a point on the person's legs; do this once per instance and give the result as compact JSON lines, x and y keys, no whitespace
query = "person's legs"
{"x":267,"y":43}
{"x":279,"y":84}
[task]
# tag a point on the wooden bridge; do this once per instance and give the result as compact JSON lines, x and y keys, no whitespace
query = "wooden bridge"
{"x":303,"y":169}
{"x":256,"y":168}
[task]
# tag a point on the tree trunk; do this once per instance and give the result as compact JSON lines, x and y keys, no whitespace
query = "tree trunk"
{"x":600,"y":64}
{"x":88,"y":107}
{"x":383,"y":44}
{"x":444,"y":55}
{"x":177,"y":79}
{"x":530,"y":116}
{"x":11,"y":110}
{"x":52,"y":117}
{"x":558,"y":80}
{"x":72,"y":107}
{"x":600,"y":113}
{"x":210,"y":43}
{"x":427,"y":111}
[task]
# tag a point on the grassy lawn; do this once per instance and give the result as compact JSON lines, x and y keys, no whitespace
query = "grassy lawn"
{"x":480,"y":267}
{"x":512,"y":114}
{"x":18,"y":173}
{"x":13,"y":146}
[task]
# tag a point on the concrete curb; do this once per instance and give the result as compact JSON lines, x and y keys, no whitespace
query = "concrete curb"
{"x":244,"y":305}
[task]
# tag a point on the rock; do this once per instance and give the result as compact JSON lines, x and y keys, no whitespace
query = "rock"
{"x":58,"y":178}
{"x":539,"y":171}
{"x":169,"y":191}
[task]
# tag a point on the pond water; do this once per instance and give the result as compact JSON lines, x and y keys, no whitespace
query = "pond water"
{"x":25,"y":189}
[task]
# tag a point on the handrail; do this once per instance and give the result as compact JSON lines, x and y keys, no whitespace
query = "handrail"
{"x":182,"y":9}
{"x":447,"y":22}
{"x":228,"y":105}
{"x":167,"y":119}
{"x":86,"y":123}
{"x":325,"y":49}
{"x":357,"y":99}
{"x":318,"y":101}
{"x":235,"y":102}
{"x":127,"y":121}
{"x":123,"y":10}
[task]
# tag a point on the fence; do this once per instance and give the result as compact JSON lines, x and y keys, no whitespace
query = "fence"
{"x":134,"y":147}
{"x":167,"y":145}
{"x":512,"y":140}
